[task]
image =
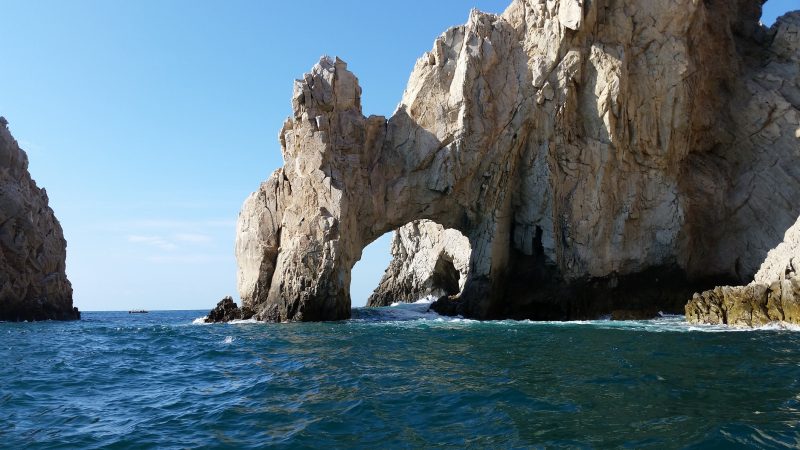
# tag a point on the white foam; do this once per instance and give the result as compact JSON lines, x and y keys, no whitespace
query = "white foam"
{"x":423,"y":301}
{"x":202,"y":321}
{"x":418,"y":313}
{"x":240,"y":321}
{"x":228,"y":340}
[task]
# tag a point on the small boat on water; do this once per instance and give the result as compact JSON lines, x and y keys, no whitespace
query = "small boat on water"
{"x":137,"y":311}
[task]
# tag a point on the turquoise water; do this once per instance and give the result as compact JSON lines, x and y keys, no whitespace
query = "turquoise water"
{"x":395,"y":377}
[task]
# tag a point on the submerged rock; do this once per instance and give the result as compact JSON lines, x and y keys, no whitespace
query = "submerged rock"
{"x":227,"y":310}
{"x":33,"y":252}
{"x":581,"y":148}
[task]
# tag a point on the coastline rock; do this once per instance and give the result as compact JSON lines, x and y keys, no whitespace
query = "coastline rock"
{"x":227,"y":310}
{"x":582,"y":148}
{"x":774,"y":295}
{"x":33,"y":280}
{"x":427,"y":261}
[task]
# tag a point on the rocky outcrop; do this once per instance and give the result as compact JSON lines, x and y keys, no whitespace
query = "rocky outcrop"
{"x":427,"y":261}
{"x":579,"y":146}
{"x":227,"y":310}
{"x":774,"y":295}
{"x":33,"y":281}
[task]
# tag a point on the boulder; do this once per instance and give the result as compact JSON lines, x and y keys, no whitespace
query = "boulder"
{"x":774,"y":295}
{"x":227,"y":310}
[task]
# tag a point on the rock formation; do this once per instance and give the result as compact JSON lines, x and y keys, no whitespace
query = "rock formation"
{"x":774,"y":295}
{"x":598,"y":156}
{"x":427,"y":261}
{"x":772,"y":112}
{"x":227,"y":310}
{"x":33,"y":252}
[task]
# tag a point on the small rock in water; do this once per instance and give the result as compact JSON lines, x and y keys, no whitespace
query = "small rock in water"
{"x":227,"y":310}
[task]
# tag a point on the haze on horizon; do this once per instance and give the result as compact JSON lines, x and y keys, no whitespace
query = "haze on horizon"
{"x":150,"y":122}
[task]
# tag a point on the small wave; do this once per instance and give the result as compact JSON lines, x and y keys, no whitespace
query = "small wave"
{"x":396,"y":312}
{"x":202,"y":321}
{"x":773,"y":326}
{"x":419,"y":313}
{"x":423,"y":301}
{"x":671,"y":323}
{"x":228,"y":340}
{"x":240,"y":321}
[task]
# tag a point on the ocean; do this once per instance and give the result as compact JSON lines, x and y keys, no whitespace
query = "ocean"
{"x":395,"y":377}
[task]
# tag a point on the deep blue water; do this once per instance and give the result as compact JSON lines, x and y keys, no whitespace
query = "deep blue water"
{"x":394,"y":377}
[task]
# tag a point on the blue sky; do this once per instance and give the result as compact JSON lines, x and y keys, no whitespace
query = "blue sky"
{"x":149,"y":122}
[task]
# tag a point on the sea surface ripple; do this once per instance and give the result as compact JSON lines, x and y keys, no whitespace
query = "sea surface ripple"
{"x":395,"y":377}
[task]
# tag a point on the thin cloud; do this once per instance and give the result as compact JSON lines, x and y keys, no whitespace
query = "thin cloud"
{"x":188,"y":259}
{"x":181,"y":224}
{"x":153,"y":241}
{"x":193,"y":238}
{"x":169,"y":225}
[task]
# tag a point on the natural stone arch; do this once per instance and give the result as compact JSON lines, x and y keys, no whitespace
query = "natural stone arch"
{"x":348,"y":179}
{"x":580,"y":147}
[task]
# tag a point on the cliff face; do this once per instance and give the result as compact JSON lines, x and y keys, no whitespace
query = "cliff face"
{"x":33,"y":282}
{"x":583,"y":149}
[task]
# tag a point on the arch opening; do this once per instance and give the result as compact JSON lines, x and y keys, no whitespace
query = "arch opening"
{"x":424,"y":261}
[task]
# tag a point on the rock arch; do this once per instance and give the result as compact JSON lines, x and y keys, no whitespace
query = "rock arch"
{"x":581,"y":147}
{"x":348,"y":179}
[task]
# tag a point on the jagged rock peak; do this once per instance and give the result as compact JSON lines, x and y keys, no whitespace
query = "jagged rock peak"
{"x":33,"y":281}
{"x":329,"y":85}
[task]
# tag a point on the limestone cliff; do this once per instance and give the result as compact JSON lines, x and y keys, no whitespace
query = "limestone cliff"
{"x":33,"y":282}
{"x":596,"y":155}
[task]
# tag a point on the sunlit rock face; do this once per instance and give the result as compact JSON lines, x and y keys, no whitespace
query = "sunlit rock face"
{"x":427,"y":261}
{"x":597,"y":156}
{"x":33,"y":281}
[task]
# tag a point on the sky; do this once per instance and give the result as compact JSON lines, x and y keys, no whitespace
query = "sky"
{"x":149,"y":122}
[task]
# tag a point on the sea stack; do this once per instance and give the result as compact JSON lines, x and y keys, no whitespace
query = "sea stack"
{"x":597,"y":157}
{"x":33,"y":252}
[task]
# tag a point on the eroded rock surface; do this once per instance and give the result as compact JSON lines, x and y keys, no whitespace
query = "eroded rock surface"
{"x":427,"y":261}
{"x":33,"y":281}
{"x":227,"y":310}
{"x":774,"y":295}
{"x":578,"y":146}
